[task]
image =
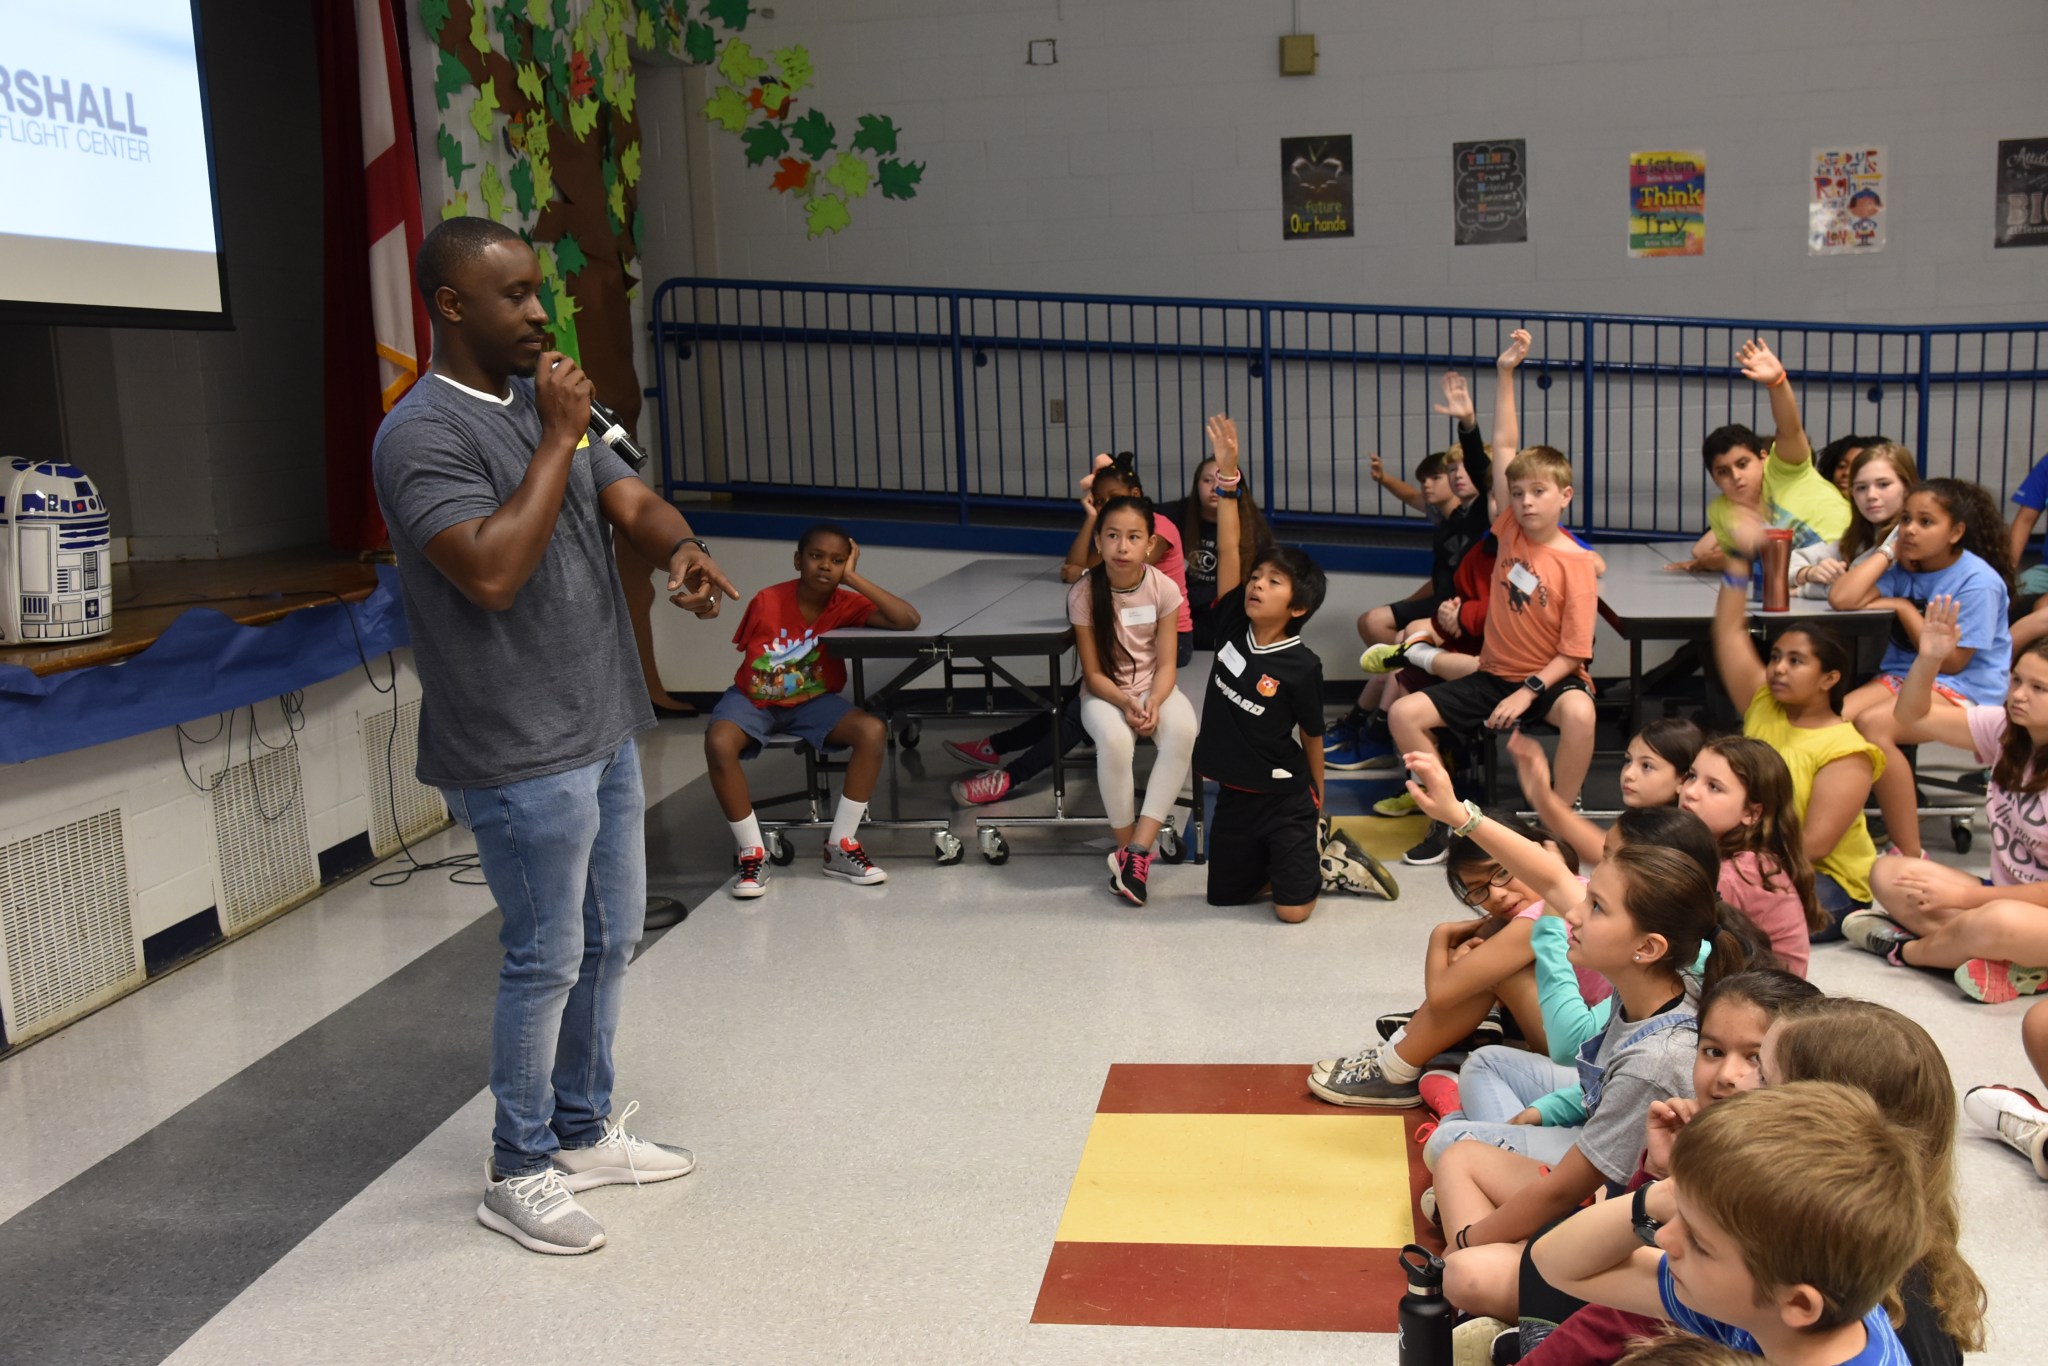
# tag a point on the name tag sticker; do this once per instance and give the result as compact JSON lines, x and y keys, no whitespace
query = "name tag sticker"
{"x":1230,"y":659}
{"x":1282,"y":773}
{"x":1521,"y":578}
{"x":1140,"y":616}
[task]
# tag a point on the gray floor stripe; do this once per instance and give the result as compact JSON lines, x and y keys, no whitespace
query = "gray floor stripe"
{"x":129,"y":1258}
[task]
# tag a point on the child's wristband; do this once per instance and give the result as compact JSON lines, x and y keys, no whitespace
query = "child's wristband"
{"x":1730,"y":581}
{"x":1783,"y":378}
{"x":1473,"y":817}
{"x":1230,"y":493}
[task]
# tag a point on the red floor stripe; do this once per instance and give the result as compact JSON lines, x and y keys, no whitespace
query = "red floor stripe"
{"x":1137,"y":1088}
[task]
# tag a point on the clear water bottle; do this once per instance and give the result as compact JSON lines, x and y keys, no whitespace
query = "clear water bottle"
{"x":1425,"y":1315}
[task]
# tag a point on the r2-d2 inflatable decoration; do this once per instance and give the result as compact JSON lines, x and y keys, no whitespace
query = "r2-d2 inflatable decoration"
{"x":56,"y":577}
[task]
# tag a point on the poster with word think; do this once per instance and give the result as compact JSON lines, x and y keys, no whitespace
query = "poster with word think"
{"x":1315,"y":187}
{"x":1490,"y":191}
{"x":1667,"y":203}
{"x":2022,"y":193}
{"x":1846,"y":214}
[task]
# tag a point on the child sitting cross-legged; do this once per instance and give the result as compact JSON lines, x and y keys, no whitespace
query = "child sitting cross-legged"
{"x":789,"y":682}
{"x":1742,"y":792}
{"x":1762,"y":1239}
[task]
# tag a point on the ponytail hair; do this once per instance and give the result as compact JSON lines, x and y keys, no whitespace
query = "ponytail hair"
{"x":1674,"y":739}
{"x":1123,"y":469}
{"x":1671,"y":895}
{"x":1116,"y":660}
{"x":1673,"y":827}
{"x":1776,"y":836}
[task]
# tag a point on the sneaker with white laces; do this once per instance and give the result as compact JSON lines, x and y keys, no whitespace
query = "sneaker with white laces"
{"x":2015,"y":1118}
{"x":1874,"y":932}
{"x":618,"y":1158}
{"x":846,"y":859}
{"x":538,"y":1213}
{"x":980,"y":753}
{"x":982,"y":788}
{"x":753,"y":878}
{"x":1129,"y":867}
{"x":1363,"y":1083}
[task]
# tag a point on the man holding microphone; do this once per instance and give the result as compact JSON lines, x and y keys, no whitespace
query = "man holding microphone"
{"x":500,"y":509}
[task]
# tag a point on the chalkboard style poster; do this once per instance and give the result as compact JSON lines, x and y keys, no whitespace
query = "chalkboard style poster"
{"x":1315,"y":176}
{"x":2022,"y":193}
{"x":1490,"y":191}
{"x":1846,"y":214}
{"x":1667,"y":203}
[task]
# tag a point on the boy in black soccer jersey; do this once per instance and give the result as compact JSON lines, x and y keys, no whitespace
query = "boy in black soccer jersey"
{"x":1262,"y":718}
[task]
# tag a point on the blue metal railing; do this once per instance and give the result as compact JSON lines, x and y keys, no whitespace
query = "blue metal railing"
{"x":978,"y":399}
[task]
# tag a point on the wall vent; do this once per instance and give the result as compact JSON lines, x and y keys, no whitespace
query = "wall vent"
{"x":263,"y":857}
{"x":400,"y":804}
{"x":65,"y":924}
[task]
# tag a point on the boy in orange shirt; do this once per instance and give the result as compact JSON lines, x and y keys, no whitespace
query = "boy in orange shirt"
{"x":1539,"y":621}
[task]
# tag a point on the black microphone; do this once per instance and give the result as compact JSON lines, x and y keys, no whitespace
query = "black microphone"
{"x":606,"y":427}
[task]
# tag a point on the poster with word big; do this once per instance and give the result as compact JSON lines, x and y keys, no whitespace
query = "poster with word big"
{"x":2022,"y":193}
{"x":1846,"y":214}
{"x":1490,"y":191}
{"x":1667,"y":203}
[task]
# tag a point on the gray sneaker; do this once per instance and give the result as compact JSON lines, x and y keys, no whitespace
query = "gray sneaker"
{"x":618,"y":1158}
{"x":1875,"y":932}
{"x":1363,"y":1084}
{"x":538,"y":1213}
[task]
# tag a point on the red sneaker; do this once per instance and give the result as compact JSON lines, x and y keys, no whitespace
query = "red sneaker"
{"x":1439,"y":1093}
{"x":979,"y":753}
{"x":982,"y":788}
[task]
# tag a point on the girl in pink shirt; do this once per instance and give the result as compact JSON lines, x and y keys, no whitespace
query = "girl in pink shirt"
{"x":1742,"y":792}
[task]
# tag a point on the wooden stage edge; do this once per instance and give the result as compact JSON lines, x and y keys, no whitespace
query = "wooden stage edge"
{"x":252,"y":589}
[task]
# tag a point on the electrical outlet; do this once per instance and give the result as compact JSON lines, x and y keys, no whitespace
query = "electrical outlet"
{"x":1056,"y":410}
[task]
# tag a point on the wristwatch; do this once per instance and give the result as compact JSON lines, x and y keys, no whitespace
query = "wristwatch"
{"x":697,"y":541}
{"x":1536,"y":685}
{"x":1639,"y":1216}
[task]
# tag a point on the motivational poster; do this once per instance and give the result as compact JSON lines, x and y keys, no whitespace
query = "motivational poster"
{"x":1846,"y":214}
{"x":1315,"y":178}
{"x":2022,"y":193}
{"x":1490,"y":191}
{"x":1667,"y":203}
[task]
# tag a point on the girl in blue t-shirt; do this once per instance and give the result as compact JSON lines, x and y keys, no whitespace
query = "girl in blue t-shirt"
{"x":1949,"y":543}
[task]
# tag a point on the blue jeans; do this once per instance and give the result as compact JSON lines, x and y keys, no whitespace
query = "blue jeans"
{"x":566,"y":857}
{"x":1834,"y":903}
{"x":1494,"y":1086}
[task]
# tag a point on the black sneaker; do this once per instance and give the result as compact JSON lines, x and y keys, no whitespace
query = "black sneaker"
{"x":1128,"y":868}
{"x":1435,"y":846}
{"x":1487,"y":1033}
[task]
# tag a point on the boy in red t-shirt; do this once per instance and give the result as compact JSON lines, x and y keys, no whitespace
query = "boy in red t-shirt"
{"x":789,"y":684}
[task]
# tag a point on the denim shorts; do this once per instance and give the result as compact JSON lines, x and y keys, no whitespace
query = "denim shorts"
{"x":809,"y":721}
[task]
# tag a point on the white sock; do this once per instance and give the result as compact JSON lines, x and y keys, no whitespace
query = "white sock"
{"x":1420,"y":655}
{"x":1392,"y":1065}
{"x":846,"y":820}
{"x":746,"y":832}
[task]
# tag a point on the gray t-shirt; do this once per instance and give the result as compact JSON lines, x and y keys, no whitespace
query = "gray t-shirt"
{"x":1656,"y":1068}
{"x":553,"y":682}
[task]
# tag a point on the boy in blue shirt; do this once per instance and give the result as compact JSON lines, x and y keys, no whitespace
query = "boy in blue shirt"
{"x":2030,"y":497}
{"x":1763,"y":1239}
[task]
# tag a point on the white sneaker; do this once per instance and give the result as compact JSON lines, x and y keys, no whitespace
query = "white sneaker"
{"x":2015,"y":1117}
{"x":846,"y":859}
{"x":753,"y":878}
{"x":619,"y":1157}
{"x":538,"y":1213}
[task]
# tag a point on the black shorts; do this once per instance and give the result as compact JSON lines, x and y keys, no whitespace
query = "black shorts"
{"x":1411,"y":610}
{"x":1259,"y":838}
{"x":1465,"y":703}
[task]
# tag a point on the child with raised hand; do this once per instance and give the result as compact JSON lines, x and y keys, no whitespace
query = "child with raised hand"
{"x":790,"y":682}
{"x":1935,"y":916}
{"x":1262,"y":716}
{"x":1761,"y":1239}
{"x":1641,"y":922}
{"x":1765,"y":484}
{"x":1792,"y":703}
{"x":1949,"y":543}
{"x":1539,"y":627}
{"x":1880,"y":479}
{"x":1468,"y":967}
{"x":1196,"y":521}
{"x":1742,"y":792}
{"x":1652,"y":769}
{"x":1124,"y":613}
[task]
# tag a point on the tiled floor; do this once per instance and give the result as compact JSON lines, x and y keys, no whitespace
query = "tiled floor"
{"x":891,"y":1092}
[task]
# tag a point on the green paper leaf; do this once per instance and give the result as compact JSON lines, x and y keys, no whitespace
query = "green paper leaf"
{"x":537,"y":13}
{"x":537,"y":137}
{"x":732,"y":13}
{"x":643,"y":31}
{"x":456,"y":207}
{"x":629,"y":163}
{"x":773,"y":97}
{"x":479,"y":28}
{"x":493,"y":190}
{"x":850,"y":174}
{"x":738,"y":64}
{"x":522,"y":186}
{"x":583,"y":117}
{"x":561,"y":13}
{"x":814,"y":133}
{"x":628,"y":93}
{"x":727,"y":108}
{"x":615,"y":205}
{"x":877,"y":134}
{"x":639,"y":235}
{"x":569,"y":257}
{"x":899,"y":179}
{"x":450,"y":77}
{"x":543,"y":182}
{"x":794,"y":65}
{"x":700,"y":44}
{"x":433,"y":14}
{"x":529,"y":82}
{"x":558,"y":82}
{"x":826,"y":213}
{"x":764,"y":142}
{"x":451,"y":156}
{"x":508,"y":30}
{"x":480,"y":112}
